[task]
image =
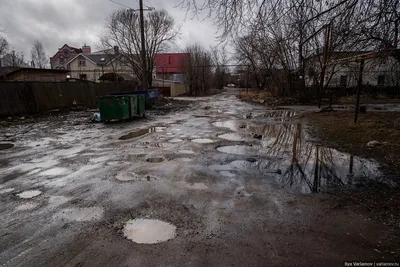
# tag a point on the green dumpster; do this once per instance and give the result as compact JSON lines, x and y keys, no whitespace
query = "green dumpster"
{"x":114,"y":108}
{"x":141,"y":104}
{"x":134,"y":108}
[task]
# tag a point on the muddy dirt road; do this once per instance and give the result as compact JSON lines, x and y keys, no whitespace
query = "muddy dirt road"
{"x":212,"y":185}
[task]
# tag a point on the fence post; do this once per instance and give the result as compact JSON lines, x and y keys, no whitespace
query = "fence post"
{"x":359,"y":87}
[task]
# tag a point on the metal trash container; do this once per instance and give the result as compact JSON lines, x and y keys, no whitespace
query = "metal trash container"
{"x":114,"y":108}
{"x":141,"y":105}
{"x":150,"y":95}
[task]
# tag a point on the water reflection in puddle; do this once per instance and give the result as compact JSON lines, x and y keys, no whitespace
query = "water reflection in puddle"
{"x":82,"y":214}
{"x":155,"y":160}
{"x":227,"y":174}
{"x":28,"y":206}
{"x":203,"y":141}
{"x":7,"y":190}
{"x":54,"y":172}
{"x":142,"y":132}
{"x":144,"y":231}
{"x":236,"y":136}
{"x":29,"y":194}
{"x":5,"y":146}
{"x":239,"y":150}
{"x":295,"y":162}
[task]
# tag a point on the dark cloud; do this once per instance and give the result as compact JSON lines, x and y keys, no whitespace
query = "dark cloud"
{"x":75,"y":22}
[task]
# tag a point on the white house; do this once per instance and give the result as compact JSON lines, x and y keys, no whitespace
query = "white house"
{"x":380,"y":71}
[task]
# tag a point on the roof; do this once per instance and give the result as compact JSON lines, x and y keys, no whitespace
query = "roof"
{"x":7,"y":71}
{"x":77,"y":50}
{"x":37,"y":70}
{"x":96,"y":58}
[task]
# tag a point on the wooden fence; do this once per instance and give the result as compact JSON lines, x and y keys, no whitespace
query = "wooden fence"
{"x":36,"y":97}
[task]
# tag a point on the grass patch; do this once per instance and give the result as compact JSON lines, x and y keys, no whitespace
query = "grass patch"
{"x":336,"y":129}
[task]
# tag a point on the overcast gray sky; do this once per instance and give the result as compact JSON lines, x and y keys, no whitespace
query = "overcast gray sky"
{"x":75,"y":22}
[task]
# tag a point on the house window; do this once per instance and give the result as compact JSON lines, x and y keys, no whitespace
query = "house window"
{"x":381,"y":79}
{"x":169,"y":59}
{"x":82,"y":62}
{"x":343,"y":80}
{"x":62,"y":60}
{"x":66,"y":53}
{"x":83,"y":76}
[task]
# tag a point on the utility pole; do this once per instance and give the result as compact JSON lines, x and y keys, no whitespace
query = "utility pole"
{"x":142,"y":35}
{"x":144,"y":71}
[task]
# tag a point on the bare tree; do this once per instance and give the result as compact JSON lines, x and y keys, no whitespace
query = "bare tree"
{"x":3,"y":46}
{"x":220,"y":60}
{"x":198,"y":70}
{"x":38,"y":56}
{"x":122,"y":30}
{"x":14,"y":59}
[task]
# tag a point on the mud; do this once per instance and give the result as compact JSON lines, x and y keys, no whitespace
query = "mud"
{"x":269,"y":204}
{"x":82,"y":214}
{"x":155,"y":160}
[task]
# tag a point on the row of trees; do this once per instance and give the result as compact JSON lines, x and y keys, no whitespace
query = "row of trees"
{"x":204,"y":69}
{"x":16,"y":59}
{"x":283,"y":34}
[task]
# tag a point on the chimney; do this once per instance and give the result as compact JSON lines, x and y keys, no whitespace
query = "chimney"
{"x":86,"y":49}
{"x":116,"y":50}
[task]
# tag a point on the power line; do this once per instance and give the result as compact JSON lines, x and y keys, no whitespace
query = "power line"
{"x":115,"y":2}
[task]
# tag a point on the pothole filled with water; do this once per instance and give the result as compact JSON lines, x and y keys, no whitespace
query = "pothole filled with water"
{"x":175,"y":140}
{"x":127,"y":176}
{"x":141,"y":132}
{"x":233,"y":125}
{"x":187,"y":152}
{"x":5,"y":146}
{"x":236,"y":137}
{"x":155,"y":160}
{"x":7,"y":190}
{"x":146,"y":231}
{"x":239,"y":150}
{"x":54,"y":172}
{"x":29,"y":194}
{"x":82,"y":214}
{"x":203,"y":141}
{"x":28,"y":206}
{"x":227,"y":174}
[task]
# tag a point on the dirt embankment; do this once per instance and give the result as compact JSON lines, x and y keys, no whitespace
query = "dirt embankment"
{"x":337,"y":129}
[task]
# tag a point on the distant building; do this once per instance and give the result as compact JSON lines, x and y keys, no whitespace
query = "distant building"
{"x":32,"y":75}
{"x":171,"y":66}
{"x":103,"y":64}
{"x":379,"y":71}
{"x":65,"y":54}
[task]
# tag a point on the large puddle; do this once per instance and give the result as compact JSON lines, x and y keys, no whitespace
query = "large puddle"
{"x":203,"y":141}
{"x":82,"y":214}
{"x":29,"y":194}
{"x":239,"y":150}
{"x":144,"y":231}
{"x":5,"y":146}
{"x":142,"y":132}
{"x":293,"y":161}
